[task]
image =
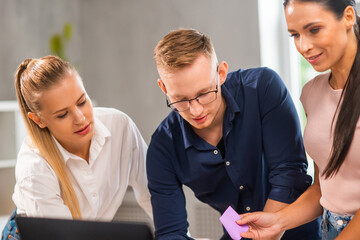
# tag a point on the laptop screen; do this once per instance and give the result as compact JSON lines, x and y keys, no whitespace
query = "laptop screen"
{"x":31,"y":228}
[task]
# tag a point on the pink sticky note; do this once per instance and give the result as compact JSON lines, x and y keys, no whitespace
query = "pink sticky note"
{"x":228,"y":219}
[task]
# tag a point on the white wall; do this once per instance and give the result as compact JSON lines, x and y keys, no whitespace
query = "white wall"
{"x":277,"y":49}
{"x":112,"y":49}
{"x":113,"y":43}
{"x":118,"y":38}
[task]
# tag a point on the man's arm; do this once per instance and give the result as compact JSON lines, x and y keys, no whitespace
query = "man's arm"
{"x":274,"y":206}
{"x":282,"y":140}
{"x":167,"y":196}
{"x":304,"y":209}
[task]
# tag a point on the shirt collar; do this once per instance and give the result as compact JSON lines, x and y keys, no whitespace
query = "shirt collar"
{"x":232,"y":107}
{"x":191,"y":139}
{"x":101,"y":132}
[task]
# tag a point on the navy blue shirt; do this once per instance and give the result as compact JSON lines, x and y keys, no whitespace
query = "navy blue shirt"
{"x":264,"y":157}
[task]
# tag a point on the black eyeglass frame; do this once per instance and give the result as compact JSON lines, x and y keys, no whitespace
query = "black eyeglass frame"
{"x":171,"y":105}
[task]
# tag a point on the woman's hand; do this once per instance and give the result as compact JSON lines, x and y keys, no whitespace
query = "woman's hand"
{"x":262,"y":225}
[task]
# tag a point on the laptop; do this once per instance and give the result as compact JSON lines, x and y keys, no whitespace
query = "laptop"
{"x":31,"y":228}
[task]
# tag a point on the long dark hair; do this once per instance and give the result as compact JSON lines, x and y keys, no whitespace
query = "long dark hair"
{"x":349,"y":102}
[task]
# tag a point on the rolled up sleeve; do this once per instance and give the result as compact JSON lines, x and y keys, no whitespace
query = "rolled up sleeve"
{"x":282,"y":140}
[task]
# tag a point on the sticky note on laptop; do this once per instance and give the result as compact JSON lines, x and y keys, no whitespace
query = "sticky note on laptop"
{"x":228,"y":219}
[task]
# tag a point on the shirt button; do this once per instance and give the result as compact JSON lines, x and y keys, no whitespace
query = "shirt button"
{"x":216,"y":152}
{"x":241,"y":187}
{"x":227,"y":163}
{"x":340,"y":222}
{"x":248,"y":208}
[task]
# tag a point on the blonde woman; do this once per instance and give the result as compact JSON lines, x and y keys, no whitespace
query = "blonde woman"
{"x":78,"y":160}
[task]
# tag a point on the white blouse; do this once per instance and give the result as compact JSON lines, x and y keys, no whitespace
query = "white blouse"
{"x":116,"y":161}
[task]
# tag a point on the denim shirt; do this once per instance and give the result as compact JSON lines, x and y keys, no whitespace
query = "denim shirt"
{"x":264,"y":156}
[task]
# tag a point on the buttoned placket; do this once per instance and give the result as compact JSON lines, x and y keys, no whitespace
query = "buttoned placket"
{"x":85,"y":177}
{"x":90,"y":187}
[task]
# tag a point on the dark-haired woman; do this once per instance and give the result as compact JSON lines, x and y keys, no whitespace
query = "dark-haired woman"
{"x":326,"y":34}
{"x":78,"y":160}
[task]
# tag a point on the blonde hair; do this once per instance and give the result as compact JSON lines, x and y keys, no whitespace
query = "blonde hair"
{"x":34,"y":76}
{"x":180,"y":48}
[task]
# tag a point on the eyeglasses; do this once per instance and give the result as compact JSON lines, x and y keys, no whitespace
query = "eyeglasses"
{"x":203,"y":99}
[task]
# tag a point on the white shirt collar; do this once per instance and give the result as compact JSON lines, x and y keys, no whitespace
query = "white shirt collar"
{"x":101,"y":132}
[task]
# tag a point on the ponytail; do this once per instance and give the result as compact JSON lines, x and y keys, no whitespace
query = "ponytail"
{"x":348,"y":115}
{"x":28,"y":83}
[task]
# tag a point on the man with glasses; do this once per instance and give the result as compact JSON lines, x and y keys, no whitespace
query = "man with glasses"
{"x":233,"y":138}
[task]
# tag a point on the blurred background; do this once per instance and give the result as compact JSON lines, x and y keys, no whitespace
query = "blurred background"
{"x":111,"y":42}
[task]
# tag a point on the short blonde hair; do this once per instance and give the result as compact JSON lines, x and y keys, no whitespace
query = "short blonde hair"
{"x":180,"y":48}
